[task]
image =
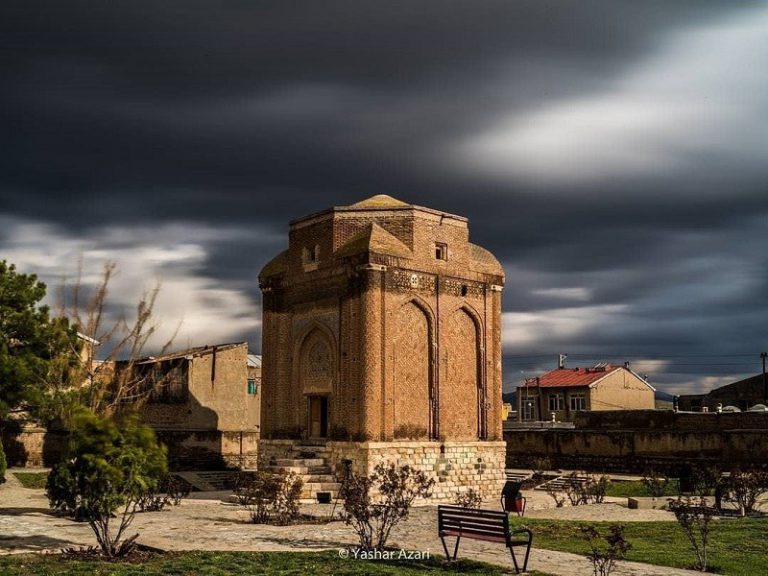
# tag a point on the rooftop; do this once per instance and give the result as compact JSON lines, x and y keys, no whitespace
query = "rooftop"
{"x":378,"y":202}
{"x":573,"y":377}
{"x":191,"y":352}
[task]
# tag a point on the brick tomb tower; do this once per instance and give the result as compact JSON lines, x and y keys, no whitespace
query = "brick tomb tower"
{"x":382,"y":343}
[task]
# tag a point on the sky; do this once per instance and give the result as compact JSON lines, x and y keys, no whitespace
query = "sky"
{"x":612,"y":154}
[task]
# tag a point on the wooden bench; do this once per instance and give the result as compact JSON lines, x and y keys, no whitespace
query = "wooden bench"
{"x":487,"y":525}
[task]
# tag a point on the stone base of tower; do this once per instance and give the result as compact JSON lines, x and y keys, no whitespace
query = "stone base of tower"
{"x":455,"y":466}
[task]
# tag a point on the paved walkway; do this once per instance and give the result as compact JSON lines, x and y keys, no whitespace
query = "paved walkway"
{"x":26,"y":524}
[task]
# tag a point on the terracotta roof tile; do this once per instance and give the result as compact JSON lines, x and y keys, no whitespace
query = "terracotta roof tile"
{"x":571,"y":377}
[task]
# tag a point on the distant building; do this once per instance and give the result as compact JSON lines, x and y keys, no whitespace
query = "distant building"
{"x":204,"y":404}
{"x":567,"y":391}
{"x":743,"y":394}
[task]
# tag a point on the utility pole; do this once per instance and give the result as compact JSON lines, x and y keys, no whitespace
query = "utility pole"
{"x":763,"y":356}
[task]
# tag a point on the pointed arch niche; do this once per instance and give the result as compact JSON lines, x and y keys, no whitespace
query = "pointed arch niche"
{"x":412,"y":379}
{"x":461,"y":377}
{"x":317,"y":363}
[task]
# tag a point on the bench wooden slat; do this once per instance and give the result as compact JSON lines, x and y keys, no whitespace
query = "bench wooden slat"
{"x":476,"y":536}
{"x":479,"y":524}
{"x":475,"y":522}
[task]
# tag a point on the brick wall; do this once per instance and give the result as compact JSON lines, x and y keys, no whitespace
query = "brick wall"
{"x":415,"y":340}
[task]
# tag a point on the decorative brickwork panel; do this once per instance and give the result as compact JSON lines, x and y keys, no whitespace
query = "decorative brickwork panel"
{"x":463,"y":288}
{"x":409,"y":281}
{"x":411,"y":382}
{"x":459,"y":385}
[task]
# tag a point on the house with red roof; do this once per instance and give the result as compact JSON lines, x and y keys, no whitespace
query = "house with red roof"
{"x":565,"y":391}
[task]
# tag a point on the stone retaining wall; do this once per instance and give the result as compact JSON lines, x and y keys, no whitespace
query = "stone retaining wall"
{"x":633,"y":451}
{"x":455,"y":466}
{"x":669,"y":420}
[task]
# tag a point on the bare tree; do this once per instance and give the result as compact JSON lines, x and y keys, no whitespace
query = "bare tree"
{"x":99,"y":371}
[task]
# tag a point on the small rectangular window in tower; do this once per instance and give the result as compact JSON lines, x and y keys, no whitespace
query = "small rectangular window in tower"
{"x":441,"y":251}
{"x":252,"y":387}
{"x":310,"y":254}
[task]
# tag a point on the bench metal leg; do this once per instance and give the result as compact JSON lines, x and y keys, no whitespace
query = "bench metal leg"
{"x":442,"y":539}
{"x":455,"y":548}
{"x":525,"y":559}
{"x":514,"y":560}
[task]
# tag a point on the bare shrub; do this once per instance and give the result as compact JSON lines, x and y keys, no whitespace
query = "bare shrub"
{"x":574,"y":489}
{"x":169,"y":492}
{"x":286,"y":505}
{"x":176,"y":489}
{"x":580,"y":488}
{"x":694,"y":517}
{"x":744,"y":488}
{"x":557,"y":496}
{"x":271,"y":497}
{"x":595,"y":488}
{"x":605,"y":550}
{"x":656,"y":482}
{"x":243,"y":485}
{"x":705,"y":479}
{"x":259,"y":494}
{"x":539,"y":466}
{"x":374,"y":517}
{"x":470,"y":498}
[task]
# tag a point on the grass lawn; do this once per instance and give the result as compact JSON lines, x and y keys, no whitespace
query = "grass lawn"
{"x":240,"y":564}
{"x":737,"y":545}
{"x":635,"y":488}
{"x":32,"y":479}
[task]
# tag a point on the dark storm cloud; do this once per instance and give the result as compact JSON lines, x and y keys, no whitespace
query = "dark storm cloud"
{"x":133,"y":98}
{"x":221,"y":122}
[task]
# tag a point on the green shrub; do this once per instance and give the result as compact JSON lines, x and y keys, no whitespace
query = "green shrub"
{"x":108,"y":467}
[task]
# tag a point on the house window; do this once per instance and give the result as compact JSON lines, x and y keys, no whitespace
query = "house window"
{"x":441,"y":251}
{"x":556,"y":402}
{"x":529,"y":410}
{"x":253,"y":388}
{"x":578,"y":402}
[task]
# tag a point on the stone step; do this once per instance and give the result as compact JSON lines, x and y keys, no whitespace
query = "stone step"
{"x":301,"y":470}
{"x":298,"y":462}
{"x":311,"y":490}
{"x":561,"y":482}
{"x":310,"y":452}
{"x":320,"y":487}
{"x":221,"y":480}
{"x":517,"y":476}
{"x":194,"y":480}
